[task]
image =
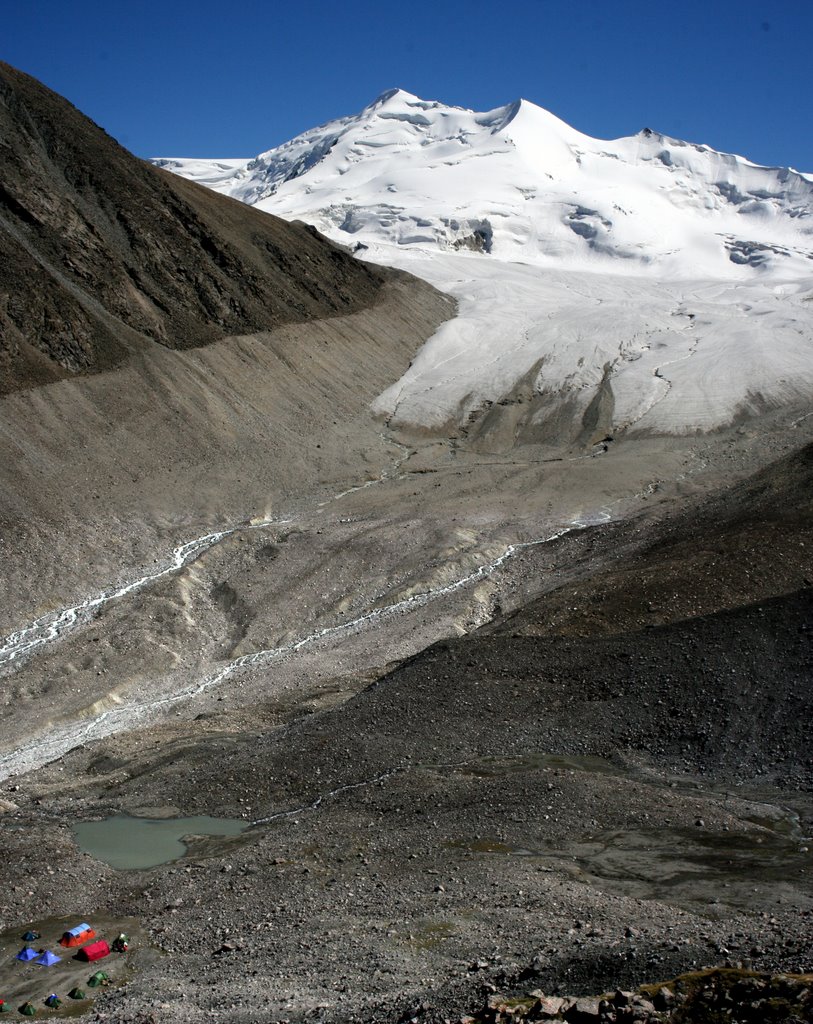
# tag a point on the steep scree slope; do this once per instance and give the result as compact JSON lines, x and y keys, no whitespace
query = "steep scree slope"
{"x":99,"y":251}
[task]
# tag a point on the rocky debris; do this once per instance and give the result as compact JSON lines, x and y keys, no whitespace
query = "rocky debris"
{"x":521,"y":768}
{"x":704,"y":997}
{"x":744,"y":543}
{"x":549,"y":1007}
{"x":583,"y":1011}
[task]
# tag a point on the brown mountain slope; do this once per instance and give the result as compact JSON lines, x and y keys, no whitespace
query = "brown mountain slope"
{"x":748,"y":543}
{"x":101,"y":253}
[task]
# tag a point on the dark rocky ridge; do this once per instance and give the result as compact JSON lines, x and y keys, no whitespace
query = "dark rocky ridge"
{"x":747,"y":543}
{"x":101,"y":253}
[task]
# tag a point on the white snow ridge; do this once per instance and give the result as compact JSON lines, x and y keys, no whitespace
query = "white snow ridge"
{"x":673,"y":281}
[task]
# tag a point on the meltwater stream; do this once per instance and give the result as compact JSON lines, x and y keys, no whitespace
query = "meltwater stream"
{"x":60,"y":739}
{"x":52,"y":626}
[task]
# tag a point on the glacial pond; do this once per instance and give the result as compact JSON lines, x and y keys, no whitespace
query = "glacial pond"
{"x":126,"y":842}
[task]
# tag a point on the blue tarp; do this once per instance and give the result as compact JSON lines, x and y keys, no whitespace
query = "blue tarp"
{"x":78,"y":929}
{"x":48,"y":959}
{"x":26,"y":953}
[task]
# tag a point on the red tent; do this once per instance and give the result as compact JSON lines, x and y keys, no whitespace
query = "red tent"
{"x":95,"y":951}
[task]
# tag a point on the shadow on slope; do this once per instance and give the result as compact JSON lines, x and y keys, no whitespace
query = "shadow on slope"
{"x":750,"y":542}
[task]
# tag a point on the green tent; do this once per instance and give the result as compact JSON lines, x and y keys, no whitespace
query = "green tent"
{"x":28,"y":1010}
{"x":53,"y":1001}
{"x":77,"y":993}
{"x":4,"y":1008}
{"x":99,"y":978}
{"x":31,"y":936}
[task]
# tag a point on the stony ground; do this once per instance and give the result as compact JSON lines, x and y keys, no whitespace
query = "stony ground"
{"x":607,"y":787}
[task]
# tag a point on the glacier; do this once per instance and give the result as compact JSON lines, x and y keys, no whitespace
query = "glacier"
{"x":639,"y":284}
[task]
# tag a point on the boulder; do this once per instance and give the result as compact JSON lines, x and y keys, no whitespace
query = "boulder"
{"x":663,"y":999}
{"x":583,"y":1011}
{"x":548,"y":1007}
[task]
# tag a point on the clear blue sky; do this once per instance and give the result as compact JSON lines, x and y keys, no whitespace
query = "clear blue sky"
{"x":181,"y":78}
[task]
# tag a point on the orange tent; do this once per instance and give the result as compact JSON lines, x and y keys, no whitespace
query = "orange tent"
{"x":77,"y":936}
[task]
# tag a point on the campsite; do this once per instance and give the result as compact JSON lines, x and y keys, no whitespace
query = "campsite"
{"x":67,"y":969}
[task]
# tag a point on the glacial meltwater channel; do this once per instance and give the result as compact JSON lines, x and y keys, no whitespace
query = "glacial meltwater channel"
{"x":125,"y":842}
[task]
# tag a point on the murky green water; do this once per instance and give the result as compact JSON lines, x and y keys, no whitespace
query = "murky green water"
{"x":125,"y":842}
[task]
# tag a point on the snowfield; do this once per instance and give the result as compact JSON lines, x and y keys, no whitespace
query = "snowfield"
{"x":638,"y":284}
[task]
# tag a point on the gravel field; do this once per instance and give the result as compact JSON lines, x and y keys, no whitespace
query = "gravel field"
{"x":605,"y":786}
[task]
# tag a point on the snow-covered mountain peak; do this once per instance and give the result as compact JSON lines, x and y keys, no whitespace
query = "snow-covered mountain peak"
{"x":518,"y":183}
{"x":394,"y":98}
{"x":640,"y":283}
{"x":393,"y":94}
{"x":524,"y":117}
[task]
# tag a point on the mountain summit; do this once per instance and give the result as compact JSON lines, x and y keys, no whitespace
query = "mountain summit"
{"x":519,"y":183}
{"x":640,"y":284}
